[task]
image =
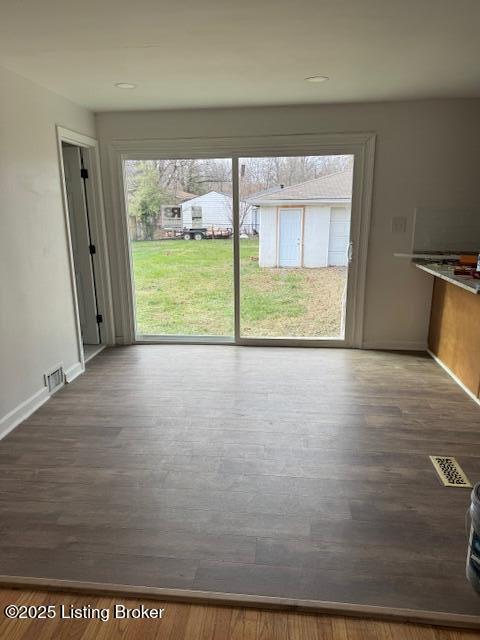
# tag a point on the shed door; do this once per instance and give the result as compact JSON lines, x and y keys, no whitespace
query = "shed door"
{"x":339,"y":237}
{"x":290,"y":237}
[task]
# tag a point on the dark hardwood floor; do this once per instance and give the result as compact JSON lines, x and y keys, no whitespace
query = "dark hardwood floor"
{"x":294,"y":473}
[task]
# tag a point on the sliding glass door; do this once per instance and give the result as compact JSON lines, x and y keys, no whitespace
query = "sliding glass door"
{"x":290,"y":219}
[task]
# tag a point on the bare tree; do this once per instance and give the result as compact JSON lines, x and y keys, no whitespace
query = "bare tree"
{"x":244,"y":209}
{"x":198,"y":176}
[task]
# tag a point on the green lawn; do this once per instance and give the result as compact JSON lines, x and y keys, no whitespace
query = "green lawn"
{"x":186,"y":288}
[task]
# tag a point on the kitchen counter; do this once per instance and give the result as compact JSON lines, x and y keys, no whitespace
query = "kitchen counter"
{"x":445,"y":272}
{"x":454,"y":332}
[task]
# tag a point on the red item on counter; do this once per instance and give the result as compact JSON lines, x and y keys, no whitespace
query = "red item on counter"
{"x":464,"y":271}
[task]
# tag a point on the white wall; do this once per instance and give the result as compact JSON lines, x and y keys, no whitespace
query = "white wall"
{"x":316,"y":236}
{"x":37,"y":322}
{"x":267,"y":249}
{"x":217,"y":210}
{"x":427,"y":155}
{"x":444,"y":230}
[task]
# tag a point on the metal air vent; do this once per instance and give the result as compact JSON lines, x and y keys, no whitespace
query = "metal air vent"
{"x":450,"y":472}
{"x":55,"y":379}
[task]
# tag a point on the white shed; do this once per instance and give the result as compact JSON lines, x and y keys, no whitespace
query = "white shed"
{"x":215,"y":209}
{"x":307,"y":224}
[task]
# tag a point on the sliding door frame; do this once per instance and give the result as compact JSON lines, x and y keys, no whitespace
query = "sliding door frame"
{"x":360,"y":145}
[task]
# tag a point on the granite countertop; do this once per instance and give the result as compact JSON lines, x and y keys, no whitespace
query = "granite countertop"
{"x":446,"y":273}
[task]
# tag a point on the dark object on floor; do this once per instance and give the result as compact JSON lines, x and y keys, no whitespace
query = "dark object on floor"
{"x":473,"y":557}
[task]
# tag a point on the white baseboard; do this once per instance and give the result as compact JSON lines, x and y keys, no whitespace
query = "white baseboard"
{"x":74,"y":371}
{"x":396,"y":346}
{"x":23,"y":411}
{"x":454,"y":377}
{"x":93,"y":353}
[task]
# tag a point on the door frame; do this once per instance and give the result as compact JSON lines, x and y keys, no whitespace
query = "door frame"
{"x":98,"y":233}
{"x":360,"y":145}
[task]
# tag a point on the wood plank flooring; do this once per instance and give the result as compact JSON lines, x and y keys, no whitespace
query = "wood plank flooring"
{"x":288,"y":473}
{"x":198,"y":622}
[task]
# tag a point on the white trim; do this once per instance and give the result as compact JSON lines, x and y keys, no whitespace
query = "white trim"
{"x":239,"y":146}
{"x":396,"y":346}
{"x":277,"y":238}
{"x":75,"y":138}
{"x":330,"y":343}
{"x":362,"y":194}
{"x":22,"y":411}
{"x":230,"y":340}
{"x":300,"y":202}
{"x":98,"y":348}
{"x":158,"y":339}
{"x":360,"y":145}
{"x":236,"y":250}
{"x":98,"y":230}
{"x":302,"y":237}
{"x":120,"y":250}
{"x":454,"y":377}
{"x":64,"y":136}
{"x":74,"y":371}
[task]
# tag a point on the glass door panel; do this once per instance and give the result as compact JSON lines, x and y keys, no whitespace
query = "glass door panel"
{"x":294,"y":222}
{"x":180,"y":222}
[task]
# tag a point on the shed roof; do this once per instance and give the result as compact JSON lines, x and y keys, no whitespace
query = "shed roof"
{"x":335,"y":186}
{"x":207,"y":196}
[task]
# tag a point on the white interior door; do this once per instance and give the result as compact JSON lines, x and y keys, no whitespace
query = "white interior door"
{"x":80,"y":236}
{"x":290,"y":237}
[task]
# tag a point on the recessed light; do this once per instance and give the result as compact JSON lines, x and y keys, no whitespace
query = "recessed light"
{"x":125,"y":85}
{"x":316,"y":79}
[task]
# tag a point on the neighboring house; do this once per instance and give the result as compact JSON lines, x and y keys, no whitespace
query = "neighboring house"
{"x":215,"y":209}
{"x":307,"y":224}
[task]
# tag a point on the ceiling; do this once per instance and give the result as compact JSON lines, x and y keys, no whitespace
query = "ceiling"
{"x":205,"y":53}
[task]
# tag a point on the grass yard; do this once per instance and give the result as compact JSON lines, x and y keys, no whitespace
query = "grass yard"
{"x":186,"y":288}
